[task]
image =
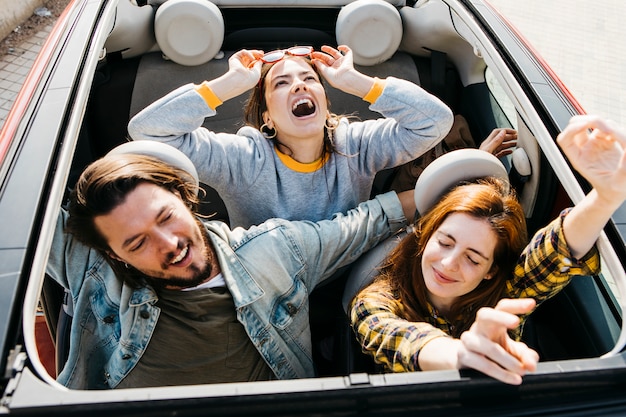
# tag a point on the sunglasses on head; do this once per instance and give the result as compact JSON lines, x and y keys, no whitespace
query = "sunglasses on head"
{"x":275,"y":56}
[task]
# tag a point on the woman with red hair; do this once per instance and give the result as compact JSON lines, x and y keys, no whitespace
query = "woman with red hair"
{"x":451,"y":293}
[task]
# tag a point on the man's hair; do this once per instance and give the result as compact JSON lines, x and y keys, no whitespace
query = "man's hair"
{"x":106,"y":183}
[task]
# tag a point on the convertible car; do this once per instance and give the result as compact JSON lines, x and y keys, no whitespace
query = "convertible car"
{"x":105,"y":60}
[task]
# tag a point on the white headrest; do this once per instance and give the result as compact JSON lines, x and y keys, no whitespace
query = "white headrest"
{"x":371,"y":28}
{"x":189,"y":32}
{"x":166,"y":153}
{"x":452,"y":168}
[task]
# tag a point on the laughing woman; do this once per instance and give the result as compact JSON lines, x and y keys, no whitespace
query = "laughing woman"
{"x":295,"y":159}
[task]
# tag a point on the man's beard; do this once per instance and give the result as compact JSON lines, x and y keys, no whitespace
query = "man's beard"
{"x":199,"y":275}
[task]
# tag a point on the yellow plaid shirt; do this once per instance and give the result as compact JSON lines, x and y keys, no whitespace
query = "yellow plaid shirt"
{"x":544,"y":268}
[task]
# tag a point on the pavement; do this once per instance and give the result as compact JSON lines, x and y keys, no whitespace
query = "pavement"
{"x":14,"y":68}
{"x":584,"y":44}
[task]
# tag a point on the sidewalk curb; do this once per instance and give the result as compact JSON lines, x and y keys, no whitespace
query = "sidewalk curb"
{"x":14,"y":13}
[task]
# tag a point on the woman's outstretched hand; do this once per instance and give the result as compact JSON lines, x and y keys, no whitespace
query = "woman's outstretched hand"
{"x":487,"y":347}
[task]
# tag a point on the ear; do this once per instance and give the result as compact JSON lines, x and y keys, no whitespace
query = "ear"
{"x":492,"y":272}
{"x":112,"y":255}
{"x":267,"y":120}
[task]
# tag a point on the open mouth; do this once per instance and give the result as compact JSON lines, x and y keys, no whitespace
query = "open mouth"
{"x":181,"y":256}
{"x":303,"y":107}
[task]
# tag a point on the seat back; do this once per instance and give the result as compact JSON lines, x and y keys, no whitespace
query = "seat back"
{"x":365,"y":269}
{"x":166,"y":153}
{"x":157,"y":77}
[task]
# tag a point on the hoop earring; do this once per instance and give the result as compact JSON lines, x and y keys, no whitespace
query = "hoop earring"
{"x":126,"y":265}
{"x":264,"y":127}
{"x":330,"y":135}
{"x":330,"y":124}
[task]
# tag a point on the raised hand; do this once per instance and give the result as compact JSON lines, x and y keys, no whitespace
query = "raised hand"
{"x":334,"y":63}
{"x":244,"y":72}
{"x":595,"y":147}
{"x":337,"y":68}
{"x":247,"y":63}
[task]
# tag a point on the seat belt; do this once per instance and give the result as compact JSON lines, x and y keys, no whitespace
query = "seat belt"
{"x":438,"y":63}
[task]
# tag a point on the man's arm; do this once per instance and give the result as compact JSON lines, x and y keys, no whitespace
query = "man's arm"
{"x":407,"y":199}
{"x":330,"y":244}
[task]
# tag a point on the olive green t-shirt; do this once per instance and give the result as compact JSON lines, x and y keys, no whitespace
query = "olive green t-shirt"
{"x":197,"y":340}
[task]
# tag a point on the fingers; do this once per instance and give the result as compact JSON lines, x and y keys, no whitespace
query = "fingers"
{"x":505,"y":148}
{"x":332,"y":57}
{"x":596,"y":148}
{"x":596,"y":122}
{"x":323,"y":58}
{"x":587,"y":127}
{"x":337,"y":68}
{"x":340,"y":51}
{"x":505,"y":133}
{"x":574,"y":133}
{"x":500,"y":142}
{"x":516,"y":305}
{"x":247,"y":57}
{"x":493,"y":323}
{"x":487,"y":347}
{"x":473,"y":356}
{"x":345,"y":49}
{"x":527,"y":356}
{"x":493,"y":360}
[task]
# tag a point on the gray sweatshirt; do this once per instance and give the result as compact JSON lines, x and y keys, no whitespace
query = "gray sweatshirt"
{"x":255,"y":184}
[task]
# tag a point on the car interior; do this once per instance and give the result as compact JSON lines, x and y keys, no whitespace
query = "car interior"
{"x":147,"y":55}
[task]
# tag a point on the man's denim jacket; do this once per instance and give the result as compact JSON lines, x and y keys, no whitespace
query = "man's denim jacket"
{"x":270,"y":269}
